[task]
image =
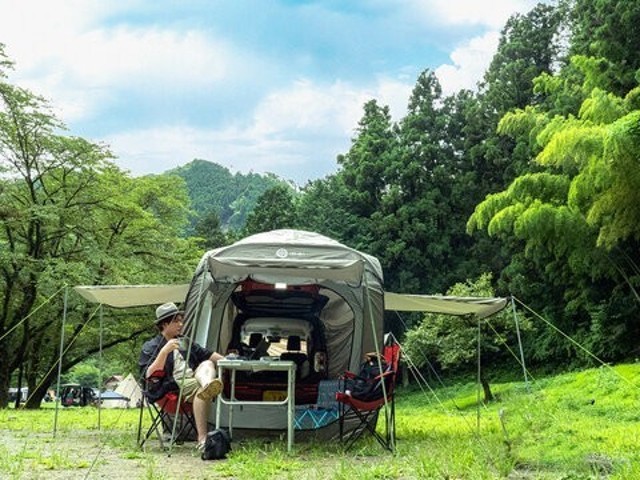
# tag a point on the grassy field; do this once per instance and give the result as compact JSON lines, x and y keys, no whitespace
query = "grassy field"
{"x":582,"y":425}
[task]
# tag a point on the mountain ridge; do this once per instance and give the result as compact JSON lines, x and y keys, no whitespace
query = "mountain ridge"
{"x":233,"y":196}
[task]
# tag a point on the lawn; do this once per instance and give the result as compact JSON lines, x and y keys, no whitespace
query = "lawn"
{"x":583,"y":425}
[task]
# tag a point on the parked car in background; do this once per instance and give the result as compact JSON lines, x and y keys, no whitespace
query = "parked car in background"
{"x":76,"y":395}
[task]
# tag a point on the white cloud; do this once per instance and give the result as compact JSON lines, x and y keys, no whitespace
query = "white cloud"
{"x":306,"y":106}
{"x":325,"y":110}
{"x":91,"y":59}
{"x":157,"y":150}
{"x":469,"y":62}
{"x":37,"y":32}
{"x":492,"y":14}
{"x":145,"y":57}
{"x":295,"y":133}
{"x":62,"y":52}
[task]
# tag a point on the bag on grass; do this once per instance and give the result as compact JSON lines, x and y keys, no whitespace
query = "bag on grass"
{"x":217,"y":445}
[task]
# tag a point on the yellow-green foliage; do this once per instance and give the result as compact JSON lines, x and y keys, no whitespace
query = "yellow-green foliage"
{"x":591,"y":184}
{"x":602,"y":107}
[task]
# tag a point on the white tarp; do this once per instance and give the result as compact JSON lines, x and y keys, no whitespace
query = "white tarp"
{"x":122,"y":296}
{"x":480,"y":307}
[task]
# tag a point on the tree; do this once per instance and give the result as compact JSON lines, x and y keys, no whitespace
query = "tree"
{"x":324,"y":207}
{"x":69,"y":217}
{"x":608,"y":30}
{"x":214,"y":187}
{"x":414,"y":227}
{"x":367,"y":167}
{"x":579,"y":217}
{"x":527,"y":49}
{"x":209,"y":229}
{"x":274,"y":209}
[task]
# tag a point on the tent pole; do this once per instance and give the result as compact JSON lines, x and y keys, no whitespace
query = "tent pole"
{"x":64,"y":319}
{"x":192,"y":329}
{"x":524,"y":368}
{"x":100,"y":362}
{"x":387,"y":413}
{"x":479,"y":383}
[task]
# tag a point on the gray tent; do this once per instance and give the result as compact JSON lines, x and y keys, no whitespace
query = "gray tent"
{"x":351,"y":280}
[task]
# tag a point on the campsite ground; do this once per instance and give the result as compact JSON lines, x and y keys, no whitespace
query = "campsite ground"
{"x":583,"y":425}
{"x":83,"y":454}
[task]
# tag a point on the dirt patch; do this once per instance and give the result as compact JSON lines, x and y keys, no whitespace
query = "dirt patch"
{"x":96,"y":455}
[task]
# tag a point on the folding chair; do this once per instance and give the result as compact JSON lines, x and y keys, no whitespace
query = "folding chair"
{"x":365,"y":413}
{"x":162,"y":413}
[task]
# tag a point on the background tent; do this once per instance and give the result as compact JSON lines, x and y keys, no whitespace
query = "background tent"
{"x":130,"y":389}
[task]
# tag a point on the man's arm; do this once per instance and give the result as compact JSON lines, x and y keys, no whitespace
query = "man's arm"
{"x":215,"y":356}
{"x":160,"y":360}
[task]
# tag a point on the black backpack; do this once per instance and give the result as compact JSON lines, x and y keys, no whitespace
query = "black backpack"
{"x":217,"y":445}
{"x":367,"y":385}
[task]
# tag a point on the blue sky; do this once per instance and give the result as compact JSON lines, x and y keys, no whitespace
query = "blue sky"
{"x":263,"y":85}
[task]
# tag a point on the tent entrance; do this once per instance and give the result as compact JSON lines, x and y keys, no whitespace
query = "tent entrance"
{"x":284,"y":323}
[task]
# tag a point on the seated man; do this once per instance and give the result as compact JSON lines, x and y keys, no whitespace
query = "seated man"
{"x":196,"y":378}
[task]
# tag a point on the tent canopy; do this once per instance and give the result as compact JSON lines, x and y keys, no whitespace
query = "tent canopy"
{"x":480,"y":307}
{"x":123,"y":296}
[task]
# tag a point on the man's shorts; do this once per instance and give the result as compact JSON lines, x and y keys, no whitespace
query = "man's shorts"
{"x":189,"y":387}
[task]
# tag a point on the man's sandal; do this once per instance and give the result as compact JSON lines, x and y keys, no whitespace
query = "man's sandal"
{"x":210,"y":391}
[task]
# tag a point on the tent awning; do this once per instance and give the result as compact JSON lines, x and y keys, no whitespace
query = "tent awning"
{"x":122,"y":296}
{"x":478,"y":306}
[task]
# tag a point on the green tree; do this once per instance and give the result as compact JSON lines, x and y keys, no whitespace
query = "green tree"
{"x":579,"y":217}
{"x":367,"y":167}
{"x":85,"y":374}
{"x":324,"y":207}
{"x":275,"y":209}
{"x":413,"y":230}
{"x":214,"y":187}
{"x":209,"y":230}
{"x":608,"y":30}
{"x":69,"y":217}
{"x":527,"y":48}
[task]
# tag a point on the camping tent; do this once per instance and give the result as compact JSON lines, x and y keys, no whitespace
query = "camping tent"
{"x":351,"y":281}
{"x":130,"y":389}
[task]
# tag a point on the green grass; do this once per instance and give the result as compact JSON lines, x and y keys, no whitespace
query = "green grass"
{"x":581,"y":425}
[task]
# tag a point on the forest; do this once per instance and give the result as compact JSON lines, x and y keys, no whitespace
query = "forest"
{"x":527,"y":186}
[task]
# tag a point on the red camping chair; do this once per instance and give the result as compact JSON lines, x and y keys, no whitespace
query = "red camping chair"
{"x":365,"y":412}
{"x":163,"y":412}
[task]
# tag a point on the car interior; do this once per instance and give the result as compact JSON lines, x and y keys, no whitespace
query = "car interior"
{"x":275,"y":325}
